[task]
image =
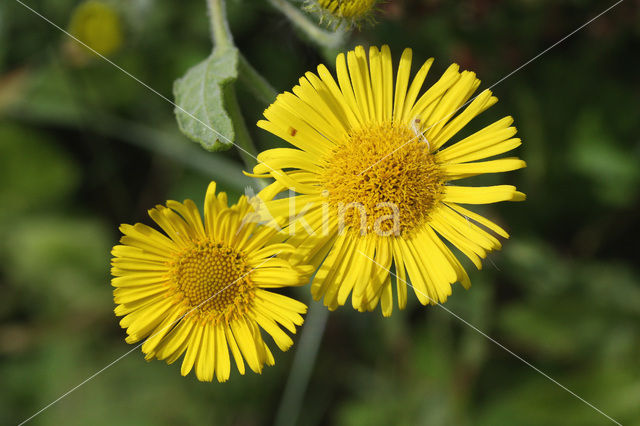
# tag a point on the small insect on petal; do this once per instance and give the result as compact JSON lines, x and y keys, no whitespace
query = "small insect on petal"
{"x":415,"y":127}
{"x":292,"y":131}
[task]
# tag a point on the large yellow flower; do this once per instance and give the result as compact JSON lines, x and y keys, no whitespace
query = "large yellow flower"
{"x":202,"y":288}
{"x":374,"y":177}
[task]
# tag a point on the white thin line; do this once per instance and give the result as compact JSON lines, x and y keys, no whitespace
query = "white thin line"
{"x":498,"y":82}
{"x":220,"y":136}
{"x":496,"y":342}
{"x":137,"y":346}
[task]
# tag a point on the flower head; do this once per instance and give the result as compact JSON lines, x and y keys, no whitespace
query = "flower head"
{"x":374,"y":169}
{"x":97,"y":24}
{"x":203,"y":287}
{"x":351,"y":12}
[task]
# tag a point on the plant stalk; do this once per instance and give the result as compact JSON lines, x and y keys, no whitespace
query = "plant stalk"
{"x":326,"y":39}
{"x":255,"y":82}
{"x":222,"y":40}
{"x":243,"y":139}
{"x":302,"y":367}
{"x":220,"y":32}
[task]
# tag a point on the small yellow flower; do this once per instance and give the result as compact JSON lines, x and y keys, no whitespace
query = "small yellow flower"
{"x":97,"y":24}
{"x":202,"y":287}
{"x":349,"y":11}
{"x":375,"y":177}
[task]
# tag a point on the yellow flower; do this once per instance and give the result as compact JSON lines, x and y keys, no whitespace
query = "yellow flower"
{"x":98,"y":25}
{"x":374,"y":175}
{"x":349,"y":11}
{"x":202,"y":287}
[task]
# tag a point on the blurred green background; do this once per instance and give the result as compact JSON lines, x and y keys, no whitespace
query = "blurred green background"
{"x":84,"y":148}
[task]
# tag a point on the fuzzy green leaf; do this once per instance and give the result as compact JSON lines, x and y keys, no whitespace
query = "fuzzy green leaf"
{"x":199,"y":96}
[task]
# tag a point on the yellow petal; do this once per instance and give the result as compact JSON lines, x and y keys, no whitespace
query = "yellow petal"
{"x":345,"y":87}
{"x":247,"y":345}
{"x":414,"y":89}
{"x":204,"y":363}
{"x":461,"y":171}
{"x":402,"y":81}
{"x":482,"y":194}
{"x":193,"y":347}
{"x":235,"y":351}
{"x":480,"y":219}
{"x":222,"y":360}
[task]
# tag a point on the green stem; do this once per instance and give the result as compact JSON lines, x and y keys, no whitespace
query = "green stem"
{"x":173,"y":146}
{"x":303,"y":362}
{"x":255,"y":82}
{"x":319,"y":36}
{"x":222,"y":40}
{"x":220,"y":32}
{"x":246,"y":148}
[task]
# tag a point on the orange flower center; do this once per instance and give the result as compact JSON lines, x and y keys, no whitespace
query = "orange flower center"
{"x":213,"y":279}
{"x":383,"y":179}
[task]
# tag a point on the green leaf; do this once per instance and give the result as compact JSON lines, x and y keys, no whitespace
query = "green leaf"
{"x":200,"y":102}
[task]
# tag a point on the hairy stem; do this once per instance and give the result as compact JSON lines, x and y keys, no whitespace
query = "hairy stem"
{"x":246,"y":148}
{"x":326,"y":39}
{"x":222,"y":39}
{"x":255,"y":82}
{"x":220,"y":33}
{"x":173,"y":146}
